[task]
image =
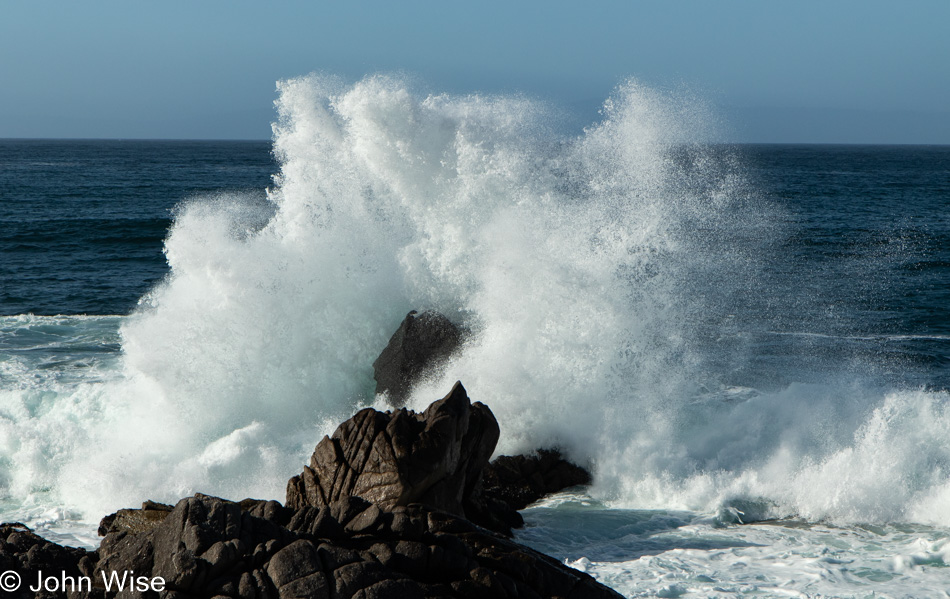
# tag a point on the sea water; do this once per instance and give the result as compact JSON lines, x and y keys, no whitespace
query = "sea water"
{"x":749,"y":346}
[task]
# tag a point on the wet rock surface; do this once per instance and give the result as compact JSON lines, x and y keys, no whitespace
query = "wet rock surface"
{"x":521,"y":480}
{"x":422,"y":342}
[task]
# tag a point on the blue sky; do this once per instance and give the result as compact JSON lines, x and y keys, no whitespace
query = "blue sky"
{"x":826,"y":72}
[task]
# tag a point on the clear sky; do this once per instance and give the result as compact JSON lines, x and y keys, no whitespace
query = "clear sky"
{"x":777,"y":71}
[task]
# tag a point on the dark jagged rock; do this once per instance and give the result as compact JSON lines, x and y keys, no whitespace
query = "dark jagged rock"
{"x":208,"y":547}
{"x":393,"y":459}
{"x":368,"y":519}
{"x":421,"y":343}
{"x":521,"y":480}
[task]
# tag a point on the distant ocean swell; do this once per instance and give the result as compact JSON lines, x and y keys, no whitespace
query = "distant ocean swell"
{"x":616,"y":285}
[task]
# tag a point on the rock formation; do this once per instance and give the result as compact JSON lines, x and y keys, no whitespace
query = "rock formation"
{"x":394,"y":459}
{"x":208,"y":547}
{"x":382,"y":511}
{"x":421,"y":343}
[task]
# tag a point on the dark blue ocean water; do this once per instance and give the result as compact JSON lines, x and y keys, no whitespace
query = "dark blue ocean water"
{"x":82,"y":222}
{"x":865,"y":249}
{"x":859,"y":264}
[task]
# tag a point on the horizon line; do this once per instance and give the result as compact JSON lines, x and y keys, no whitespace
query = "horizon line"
{"x":260,"y":140}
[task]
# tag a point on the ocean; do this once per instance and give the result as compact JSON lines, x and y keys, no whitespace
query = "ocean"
{"x":749,"y":345}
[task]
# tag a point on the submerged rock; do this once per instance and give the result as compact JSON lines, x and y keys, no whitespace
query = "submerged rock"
{"x":749,"y":510}
{"x":421,"y":343}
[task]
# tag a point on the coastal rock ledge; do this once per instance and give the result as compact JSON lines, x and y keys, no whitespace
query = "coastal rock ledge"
{"x":382,"y":511}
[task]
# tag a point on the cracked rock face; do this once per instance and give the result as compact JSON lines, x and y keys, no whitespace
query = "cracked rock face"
{"x":393,"y":459}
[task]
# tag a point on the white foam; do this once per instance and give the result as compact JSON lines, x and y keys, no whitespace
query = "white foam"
{"x":666,"y":554}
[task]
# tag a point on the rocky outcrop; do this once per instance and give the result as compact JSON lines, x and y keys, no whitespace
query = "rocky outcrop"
{"x":422,"y":343}
{"x":396,"y":458}
{"x":521,"y":480}
{"x":384,"y":510}
{"x":208,"y":547}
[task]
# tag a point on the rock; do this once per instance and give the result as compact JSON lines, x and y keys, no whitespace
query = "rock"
{"x":394,"y":459}
{"x":422,"y":343}
{"x":27,"y":554}
{"x":204,"y":547}
{"x":521,"y":480}
{"x":132,"y":520}
{"x":209,"y":547}
{"x":750,"y":511}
